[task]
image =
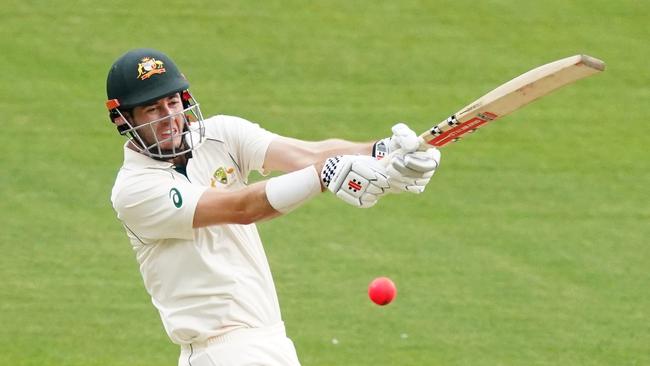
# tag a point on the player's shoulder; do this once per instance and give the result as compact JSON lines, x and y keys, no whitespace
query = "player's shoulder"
{"x":224,"y":122}
{"x":132,"y":185}
{"x":226,"y":127}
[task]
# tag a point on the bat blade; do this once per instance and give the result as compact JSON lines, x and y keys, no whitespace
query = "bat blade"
{"x":511,"y":96}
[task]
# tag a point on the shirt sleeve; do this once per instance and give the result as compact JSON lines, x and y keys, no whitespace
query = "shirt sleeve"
{"x":158,"y":206}
{"x":248,"y":141}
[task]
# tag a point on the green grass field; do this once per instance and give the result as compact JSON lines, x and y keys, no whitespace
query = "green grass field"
{"x":530,"y":246}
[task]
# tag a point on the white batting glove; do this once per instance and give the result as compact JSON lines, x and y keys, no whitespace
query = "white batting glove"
{"x":357,"y":180}
{"x":408,"y":170}
{"x":411,"y":171}
{"x":403,"y":138}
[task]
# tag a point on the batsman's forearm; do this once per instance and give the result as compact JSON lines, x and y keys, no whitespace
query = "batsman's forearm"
{"x":288,"y":154}
{"x":333,"y":147}
{"x":244,"y":206}
{"x":260,"y":201}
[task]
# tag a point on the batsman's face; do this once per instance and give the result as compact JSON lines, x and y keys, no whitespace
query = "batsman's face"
{"x":161,"y":122}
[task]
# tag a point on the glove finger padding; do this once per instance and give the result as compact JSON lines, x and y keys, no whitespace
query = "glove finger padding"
{"x":397,"y":187}
{"x":405,"y":138}
{"x":372,"y":170}
{"x":411,"y":172}
{"x":397,"y":167}
{"x":409,"y":180}
{"x":408,"y":185}
{"x":417,"y":163}
{"x":423,"y":161}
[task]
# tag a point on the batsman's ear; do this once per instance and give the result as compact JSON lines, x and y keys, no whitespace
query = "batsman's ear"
{"x":113,"y":113}
{"x":116,"y":117}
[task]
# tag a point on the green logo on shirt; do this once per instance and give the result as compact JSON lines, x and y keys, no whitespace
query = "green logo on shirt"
{"x":175,"y":195}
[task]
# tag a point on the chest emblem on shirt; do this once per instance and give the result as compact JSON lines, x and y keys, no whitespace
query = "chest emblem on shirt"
{"x":176,"y":197}
{"x":223,"y":176}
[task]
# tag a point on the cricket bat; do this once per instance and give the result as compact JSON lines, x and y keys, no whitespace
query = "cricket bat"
{"x":511,"y":96}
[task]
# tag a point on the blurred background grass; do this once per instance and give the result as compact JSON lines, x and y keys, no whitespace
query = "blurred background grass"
{"x":529,"y":247}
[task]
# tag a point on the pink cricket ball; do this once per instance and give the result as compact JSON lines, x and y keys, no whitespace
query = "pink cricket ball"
{"x":382,"y":291}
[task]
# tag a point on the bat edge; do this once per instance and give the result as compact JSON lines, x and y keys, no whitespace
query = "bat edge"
{"x":592,"y":62}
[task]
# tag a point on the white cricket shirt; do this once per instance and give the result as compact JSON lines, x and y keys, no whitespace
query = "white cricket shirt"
{"x":208,"y":281}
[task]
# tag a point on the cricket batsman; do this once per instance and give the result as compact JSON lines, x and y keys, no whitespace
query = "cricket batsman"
{"x":183,"y":198}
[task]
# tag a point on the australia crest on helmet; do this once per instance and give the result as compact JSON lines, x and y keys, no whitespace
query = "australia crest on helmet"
{"x":149,"y":66}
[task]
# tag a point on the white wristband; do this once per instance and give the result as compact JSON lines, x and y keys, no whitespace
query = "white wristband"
{"x":289,"y":191}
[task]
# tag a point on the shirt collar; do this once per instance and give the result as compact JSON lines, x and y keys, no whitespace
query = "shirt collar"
{"x":134,"y":159}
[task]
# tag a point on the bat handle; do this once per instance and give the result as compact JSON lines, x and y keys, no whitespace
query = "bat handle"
{"x":423,"y":144}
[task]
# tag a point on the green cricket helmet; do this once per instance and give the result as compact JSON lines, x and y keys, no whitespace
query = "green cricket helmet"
{"x":141,"y":77}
